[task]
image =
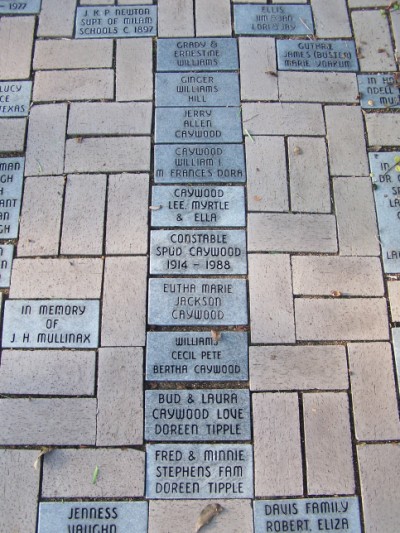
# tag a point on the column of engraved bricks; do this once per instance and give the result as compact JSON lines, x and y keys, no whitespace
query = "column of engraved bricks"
{"x":199,"y":150}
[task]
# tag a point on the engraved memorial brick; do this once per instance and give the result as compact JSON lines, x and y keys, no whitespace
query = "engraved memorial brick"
{"x":199,"y":471}
{"x":51,"y":324}
{"x":378,"y":91}
{"x":6,"y":259}
{"x":198,"y":206}
{"x":112,"y":22}
{"x":28,"y":7}
{"x":79,"y":517}
{"x":197,"y":89}
{"x":195,"y":356}
{"x":15,"y":98}
{"x":197,"y":302}
{"x":273,"y":20}
{"x":206,"y":415}
{"x":308,"y":514}
{"x":385,"y":172}
{"x":198,"y":124}
{"x":198,"y":252}
{"x":321,"y":55}
{"x":11,"y":179}
{"x":199,"y":163}
{"x":202,"y":53}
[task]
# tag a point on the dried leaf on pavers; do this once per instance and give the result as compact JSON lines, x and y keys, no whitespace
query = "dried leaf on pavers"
{"x":207,"y":514}
{"x":297,"y":150}
{"x":257,"y":198}
{"x":216,"y":335}
{"x":42,"y":452}
{"x":336,"y":294}
{"x":271,"y":73}
{"x":95,"y":475}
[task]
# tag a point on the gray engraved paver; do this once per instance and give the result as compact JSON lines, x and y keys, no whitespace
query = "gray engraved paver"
{"x":101,"y":22}
{"x":207,"y":252}
{"x":396,"y":345}
{"x":76,"y":517}
{"x":51,"y":324}
{"x":206,"y":415}
{"x":197,"y":54}
{"x":199,"y":471}
{"x":190,"y":89}
{"x":199,"y":163}
{"x":378,"y":91}
{"x":15,"y":98}
{"x":6,"y":259}
{"x":198,"y":124}
{"x":28,"y":7}
{"x":323,"y":55}
{"x":308,"y":514}
{"x":11,"y":179}
{"x":273,"y":20}
{"x":198,"y":206}
{"x":385,"y":173}
{"x":200,"y":302}
{"x":195,"y":356}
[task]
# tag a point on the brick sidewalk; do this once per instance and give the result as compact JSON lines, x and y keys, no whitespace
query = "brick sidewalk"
{"x":323,"y":289}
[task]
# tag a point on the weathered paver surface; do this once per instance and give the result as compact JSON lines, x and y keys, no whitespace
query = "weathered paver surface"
{"x":323,"y":384}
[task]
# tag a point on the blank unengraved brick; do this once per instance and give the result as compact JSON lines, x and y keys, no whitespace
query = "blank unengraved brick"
{"x":383,"y":129}
{"x":298,"y":368}
{"x":394,"y":299}
{"x":275,"y":232}
{"x":271,"y":300}
{"x":176,"y":18}
{"x":124,"y":302}
{"x":69,"y":473}
{"x":92,"y":84}
{"x":395,"y":18}
{"x":57,"y":18}
{"x":329,"y":453}
{"x":16,"y":41}
{"x":111,"y":118}
{"x":366,"y":3}
{"x":341,"y":319}
{"x":134,"y":69}
{"x":356,"y":219}
{"x":83,"y":220}
{"x":258,"y":68}
{"x":166,"y":516}
{"x":57,"y":278}
{"x":318,"y":87}
{"x":119,"y":397}
{"x":346,"y":143}
{"x":267,"y":188}
{"x":46,"y":140}
{"x":374,"y":392}
{"x":48,"y":372}
{"x":72,"y":54}
{"x":283,"y":119}
{"x":107,"y":154}
{"x":12,"y":134}
{"x":52,"y":421}
{"x":379,"y":476}
{"x":277,"y":449}
{"x":372,"y":35}
{"x":331,"y":18}
{"x":127,"y":214}
{"x":309,"y":178}
{"x":352,"y":276}
{"x":19,"y":487}
{"x":39,"y":232}
{"x":213,"y":18}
